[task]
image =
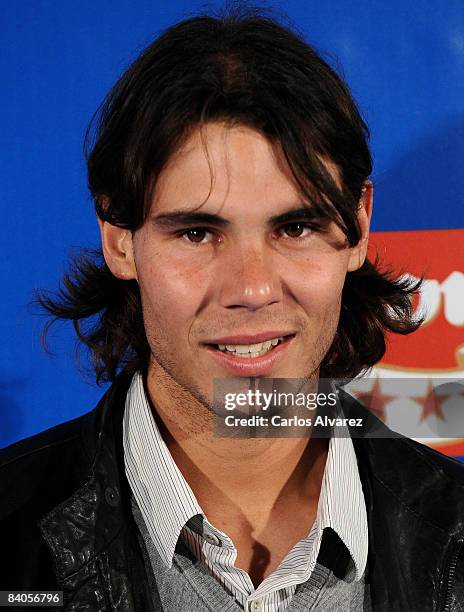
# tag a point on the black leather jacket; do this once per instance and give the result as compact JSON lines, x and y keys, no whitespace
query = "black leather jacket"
{"x":66,"y":522}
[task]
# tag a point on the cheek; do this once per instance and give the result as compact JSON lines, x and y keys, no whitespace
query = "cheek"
{"x":172,"y":292}
{"x":317,"y":284}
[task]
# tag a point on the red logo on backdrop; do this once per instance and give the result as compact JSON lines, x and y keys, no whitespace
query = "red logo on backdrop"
{"x":438,"y":256}
{"x":437,"y":348}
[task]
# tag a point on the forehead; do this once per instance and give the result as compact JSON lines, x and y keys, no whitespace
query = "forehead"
{"x":227,"y":167}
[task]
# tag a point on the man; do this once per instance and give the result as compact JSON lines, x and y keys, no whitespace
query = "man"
{"x":230,"y":176}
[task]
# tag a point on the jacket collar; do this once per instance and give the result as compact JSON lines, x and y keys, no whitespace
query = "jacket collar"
{"x":420,"y":479}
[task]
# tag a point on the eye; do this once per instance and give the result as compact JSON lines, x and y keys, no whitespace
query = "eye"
{"x":296,"y":230}
{"x":195,"y":234}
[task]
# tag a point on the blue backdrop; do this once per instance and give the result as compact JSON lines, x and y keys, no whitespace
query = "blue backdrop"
{"x":404,"y":61}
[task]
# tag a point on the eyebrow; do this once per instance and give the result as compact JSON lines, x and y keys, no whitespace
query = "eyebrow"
{"x":179,"y":218}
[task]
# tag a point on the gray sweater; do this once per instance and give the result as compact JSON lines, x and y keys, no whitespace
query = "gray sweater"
{"x":189,"y":587}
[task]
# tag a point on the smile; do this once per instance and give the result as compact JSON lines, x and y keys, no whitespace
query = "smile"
{"x":250,"y":350}
{"x":250,"y":359}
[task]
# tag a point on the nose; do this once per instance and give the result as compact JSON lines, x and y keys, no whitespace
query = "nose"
{"x":250,"y":279}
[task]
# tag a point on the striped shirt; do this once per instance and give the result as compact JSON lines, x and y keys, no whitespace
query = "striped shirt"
{"x":170,"y":510}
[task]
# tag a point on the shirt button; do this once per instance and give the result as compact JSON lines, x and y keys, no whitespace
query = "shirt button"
{"x":112,"y":496}
{"x":212,"y":539}
{"x":255,"y":606}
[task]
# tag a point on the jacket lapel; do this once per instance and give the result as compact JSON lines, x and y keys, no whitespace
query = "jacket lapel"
{"x":415,"y":516}
{"x":92,"y":534}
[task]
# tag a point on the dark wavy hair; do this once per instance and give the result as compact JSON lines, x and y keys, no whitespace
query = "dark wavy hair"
{"x":241,"y":67}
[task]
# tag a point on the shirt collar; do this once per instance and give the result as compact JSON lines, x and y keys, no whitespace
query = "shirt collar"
{"x":341,"y":502}
{"x":160,"y":490}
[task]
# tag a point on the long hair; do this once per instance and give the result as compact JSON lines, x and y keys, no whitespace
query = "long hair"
{"x":242,"y":68}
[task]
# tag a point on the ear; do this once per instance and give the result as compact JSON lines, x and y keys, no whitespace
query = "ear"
{"x":358,"y":253}
{"x":118,"y":250}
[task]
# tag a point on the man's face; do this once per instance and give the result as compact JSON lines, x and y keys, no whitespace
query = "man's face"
{"x":248,"y":278}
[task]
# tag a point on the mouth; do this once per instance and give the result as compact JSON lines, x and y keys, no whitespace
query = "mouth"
{"x":250,"y":359}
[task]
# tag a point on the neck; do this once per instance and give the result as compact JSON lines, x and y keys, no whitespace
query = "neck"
{"x":244,"y":479}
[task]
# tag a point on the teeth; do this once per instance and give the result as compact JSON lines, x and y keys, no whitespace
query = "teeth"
{"x":250,"y":350}
{"x":241,"y":349}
